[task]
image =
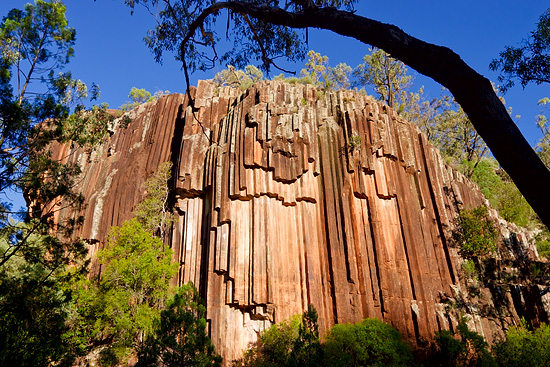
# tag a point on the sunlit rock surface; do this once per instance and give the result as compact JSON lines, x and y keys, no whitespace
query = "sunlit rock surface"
{"x":287,"y":196}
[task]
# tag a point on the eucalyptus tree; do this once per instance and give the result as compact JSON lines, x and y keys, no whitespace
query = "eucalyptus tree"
{"x":40,"y":103}
{"x":266,"y":30}
{"x":387,"y":76}
{"x":530,"y":61}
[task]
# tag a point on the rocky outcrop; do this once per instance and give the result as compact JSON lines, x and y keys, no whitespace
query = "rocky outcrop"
{"x":286,"y":196}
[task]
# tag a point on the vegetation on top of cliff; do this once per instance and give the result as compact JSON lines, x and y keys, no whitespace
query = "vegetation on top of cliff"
{"x":237,"y":78}
{"x":139,"y":96}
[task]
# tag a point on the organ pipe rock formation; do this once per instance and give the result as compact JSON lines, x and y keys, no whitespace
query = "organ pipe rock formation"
{"x":286,"y":196}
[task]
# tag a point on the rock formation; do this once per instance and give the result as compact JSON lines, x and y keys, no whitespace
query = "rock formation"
{"x":287,"y":196}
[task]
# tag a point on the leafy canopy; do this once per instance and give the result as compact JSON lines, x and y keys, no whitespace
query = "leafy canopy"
{"x":256,"y":40}
{"x":293,"y":342}
{"x":40,"y":104}
{"x":36,"y":101}
{"x":367,"y":343}
{"x":461,"y":348}
{"x":35,"y":304}
{"x":528,"y":62}
{"x":524,"y":347}
{"x":121,"y":308}
{"x":238,"y":78}
{"x":180,"y":337}
{"x":387,"y":76}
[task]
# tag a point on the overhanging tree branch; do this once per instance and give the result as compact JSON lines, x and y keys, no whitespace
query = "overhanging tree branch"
{"x":471,"y":90}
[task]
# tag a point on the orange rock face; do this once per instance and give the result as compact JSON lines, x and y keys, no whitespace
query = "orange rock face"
{"x":285,"y":197}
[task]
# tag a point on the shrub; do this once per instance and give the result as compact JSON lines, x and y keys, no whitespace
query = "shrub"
{"x":290,"y":343}
{"x":368,"y":343}
{"x":180,"y":337}
{"x":476,"y":233}
{"x":523,"y":347}
{"x":468,"y":348}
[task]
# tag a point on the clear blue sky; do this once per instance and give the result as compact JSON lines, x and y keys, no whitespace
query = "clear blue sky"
{"x":110,"y":49}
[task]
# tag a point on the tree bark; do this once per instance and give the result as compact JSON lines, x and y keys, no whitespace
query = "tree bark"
{"x":471,"y":90}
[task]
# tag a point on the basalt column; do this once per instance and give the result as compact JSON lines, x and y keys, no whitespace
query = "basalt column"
{"x":287,"y":196}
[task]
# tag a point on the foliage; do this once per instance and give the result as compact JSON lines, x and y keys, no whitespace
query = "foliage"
{"x":476,"y":233}
{"x":35,"y":303}
{"x":528,"y":62}
{"x":290,"y":343}
{"x":501,"y":192}
{"x":354,"y":142}
{"x":36,"y":43}
{"x":242,"y":79}
{"x":256,"y":39}
{"x":463,"y":348}
{"x":454,"y":135}
{"x":368,"y":343}
{"x":523,"y":347}
{"x":543,"y":243}
{"x":153,"y":211}
{"x":318,"y":73}
{"x":469,"y":267}
{"x":423,"y":113}
{"x":120,"y":308}
{"x":137,"y":97}
{"x":543,"y":146}
{"x":40,"y":104}
{"x":180,"y":338}
{"x":387,"y":76}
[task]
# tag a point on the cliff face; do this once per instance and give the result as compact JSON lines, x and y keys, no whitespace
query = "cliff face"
{"x":286,"y":196}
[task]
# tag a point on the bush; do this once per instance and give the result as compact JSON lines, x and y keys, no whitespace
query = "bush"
{"x":468,"y":348}
{"x":523,"y":347}
{"x":476,"y":233}
{"x":290,"y":343}
{"x":368,"y":343}
{"x":180,"y":337}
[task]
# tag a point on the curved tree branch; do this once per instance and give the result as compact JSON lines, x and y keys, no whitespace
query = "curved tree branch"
{"x":471,"y":90}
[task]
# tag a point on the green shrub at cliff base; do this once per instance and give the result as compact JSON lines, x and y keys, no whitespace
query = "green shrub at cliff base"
{"x":476,"y":233}
{"x":463,"y":348}
{"x":294,"y":342}
{"x":274,"y":345}
{"x":368,"y":343}
{"x":179,"y":337}
{"x":523,"y":347}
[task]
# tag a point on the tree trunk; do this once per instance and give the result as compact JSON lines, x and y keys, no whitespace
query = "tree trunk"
{"x":471,"y":90}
